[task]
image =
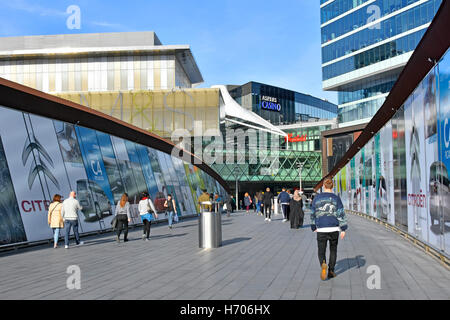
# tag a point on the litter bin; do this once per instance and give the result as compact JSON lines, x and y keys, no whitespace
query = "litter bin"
{"x":209,"y":227}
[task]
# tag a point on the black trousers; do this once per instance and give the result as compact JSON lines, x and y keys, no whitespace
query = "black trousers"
{"x":147,"y":225}
{"x":122,"y":224}
{"x":268,"y":210}
{"x":322,"y":239}
{"x":296,"y":219}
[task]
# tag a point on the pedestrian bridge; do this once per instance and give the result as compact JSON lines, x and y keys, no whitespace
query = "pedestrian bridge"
{"x":258,"y":260}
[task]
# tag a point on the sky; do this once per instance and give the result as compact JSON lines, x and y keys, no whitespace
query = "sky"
{"x":233,"y":41}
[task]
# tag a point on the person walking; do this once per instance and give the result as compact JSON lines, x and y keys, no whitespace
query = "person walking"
{"x":123,"y":217}
{"x":69,"y":213}
{"x":204,"y":197}
{"x":268,"y":204}
{"x":327,"y":220}
{"x":146,"y":211}
{"x":233,"y":203}
{"x":229,"y":205}
{"x":171,"y":209}
{"x":289,"y":208}
{"x":296,"y":210}
{"x":260,"y":201}
{"x":247,"y":201}
{"x":284,"y":200}
{"x":218,"y":203}
{"x":304,"y":197}
{"x":55,"y":220}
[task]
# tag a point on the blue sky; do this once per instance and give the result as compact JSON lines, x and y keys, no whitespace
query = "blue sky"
{"x":274,"y":42}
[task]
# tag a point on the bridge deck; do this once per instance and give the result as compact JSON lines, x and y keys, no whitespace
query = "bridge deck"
{"x":258,"y":260}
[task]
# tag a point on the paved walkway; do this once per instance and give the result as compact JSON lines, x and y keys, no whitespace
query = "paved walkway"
{"x":258,"y":260}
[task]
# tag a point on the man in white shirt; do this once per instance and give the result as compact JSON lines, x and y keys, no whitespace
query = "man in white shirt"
{"x":69,"y":213}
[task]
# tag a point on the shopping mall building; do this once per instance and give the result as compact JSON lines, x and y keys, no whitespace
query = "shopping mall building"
{"x":264,"y":132}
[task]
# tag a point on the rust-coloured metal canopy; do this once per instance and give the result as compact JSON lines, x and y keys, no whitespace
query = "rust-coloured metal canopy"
{"x":429,"y":51}
{"x":26,"y":99}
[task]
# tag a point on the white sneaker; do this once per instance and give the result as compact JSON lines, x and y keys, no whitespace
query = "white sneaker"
{"x":284,"y":220}
{"x":80,"y":244}
{"x":67,"y":247}
{"x":270,"y":220}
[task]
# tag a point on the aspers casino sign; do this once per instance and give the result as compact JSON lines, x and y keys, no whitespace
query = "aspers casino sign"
{"x":270,"y":103}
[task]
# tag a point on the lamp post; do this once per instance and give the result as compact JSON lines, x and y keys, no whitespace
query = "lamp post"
{"x":236,"y":172}
{"x":300,"y":168}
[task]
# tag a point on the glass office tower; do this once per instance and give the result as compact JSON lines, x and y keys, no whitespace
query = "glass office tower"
{"x":365,"y":45}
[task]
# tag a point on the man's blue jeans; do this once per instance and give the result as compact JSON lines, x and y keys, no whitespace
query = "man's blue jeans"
{"x":71,"y":224}
{"x":170,"y":213}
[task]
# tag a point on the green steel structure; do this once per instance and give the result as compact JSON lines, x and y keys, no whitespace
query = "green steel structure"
{"x":278,"y":166}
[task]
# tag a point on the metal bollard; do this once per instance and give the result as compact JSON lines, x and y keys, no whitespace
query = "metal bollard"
{"x":209,"y":227}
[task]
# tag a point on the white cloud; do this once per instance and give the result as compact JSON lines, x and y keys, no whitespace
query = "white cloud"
{"x":23,"y":5}
{"x":107,"y":24}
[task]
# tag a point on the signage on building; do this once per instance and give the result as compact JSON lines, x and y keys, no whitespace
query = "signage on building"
{"x":291,"y":138}
{"x":270,"y":103}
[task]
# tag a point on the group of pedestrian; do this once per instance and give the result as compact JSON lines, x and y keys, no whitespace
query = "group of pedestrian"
{"x":64,"y":215}
{"x":262,"y":203}
{"x":328,"y":217}
{"x":292,"y":207}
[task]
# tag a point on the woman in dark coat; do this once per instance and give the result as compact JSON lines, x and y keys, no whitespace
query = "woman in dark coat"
{"x":296,"y":211}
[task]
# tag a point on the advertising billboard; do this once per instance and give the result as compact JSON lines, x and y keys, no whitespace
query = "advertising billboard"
{"x":11,"y":228}
{"x":402,"y":174}
{"x":41,"y":157}
{"x":443,"y":123}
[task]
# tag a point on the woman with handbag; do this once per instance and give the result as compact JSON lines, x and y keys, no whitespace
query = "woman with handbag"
{"x":55,"y":220}
{"x":247,"y":201}
{"x":123,"y":217}
{"x":171,"y":209}
{"x":148,"y":213}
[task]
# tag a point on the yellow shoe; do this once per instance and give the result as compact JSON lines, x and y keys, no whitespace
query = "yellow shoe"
{"x":323,"y":274}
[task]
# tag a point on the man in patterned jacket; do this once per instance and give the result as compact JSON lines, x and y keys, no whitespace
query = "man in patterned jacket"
{"x":328,"y":220}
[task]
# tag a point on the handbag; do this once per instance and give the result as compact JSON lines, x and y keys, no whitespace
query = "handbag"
{"x":150,"y":210}
{"x":175,"y":217}
{"x":114,"y":223}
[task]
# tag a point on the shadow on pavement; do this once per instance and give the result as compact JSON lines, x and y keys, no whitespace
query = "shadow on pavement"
{"x":163,"y":236}
{"x":235,"y":240}
{"x":184,"y":226}
{"x":349,"y":263}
